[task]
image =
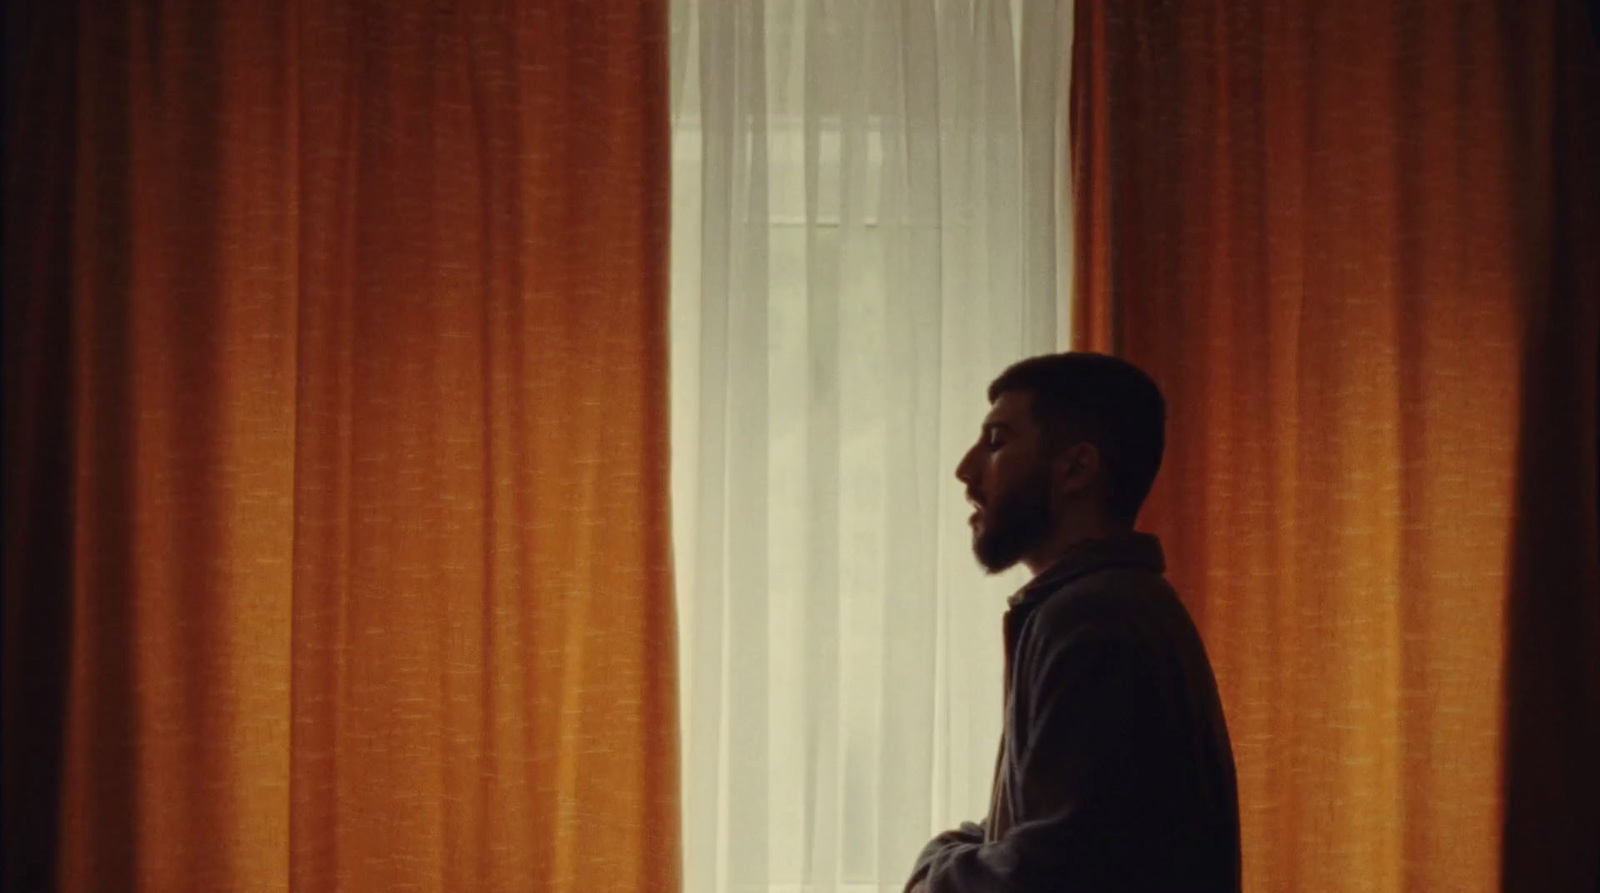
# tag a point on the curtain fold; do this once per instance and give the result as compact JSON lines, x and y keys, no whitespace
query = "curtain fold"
{"x":336,"y":448}
{"x":868,"y":225}
{"x":1344,"y":238}
{"x":1550,"y":783}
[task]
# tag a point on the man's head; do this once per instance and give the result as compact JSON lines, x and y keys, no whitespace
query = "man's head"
{"x":1069,"y":450}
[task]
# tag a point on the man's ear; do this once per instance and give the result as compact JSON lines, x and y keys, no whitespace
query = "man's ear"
{"x":1076,"y":468}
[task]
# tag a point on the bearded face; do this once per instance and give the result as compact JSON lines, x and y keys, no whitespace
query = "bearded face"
{"x":1008,"y":524}
{"x":1008,"y":484}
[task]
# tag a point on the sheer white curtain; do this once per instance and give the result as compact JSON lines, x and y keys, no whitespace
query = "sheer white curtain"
{"x":870,"y":221}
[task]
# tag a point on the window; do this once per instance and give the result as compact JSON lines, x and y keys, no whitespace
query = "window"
{"x":866,"y":229}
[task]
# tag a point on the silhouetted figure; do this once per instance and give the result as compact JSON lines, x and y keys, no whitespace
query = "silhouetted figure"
{"x":1115,"y":772}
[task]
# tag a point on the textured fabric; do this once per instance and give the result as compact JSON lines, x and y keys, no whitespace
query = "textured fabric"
{"x":1354,"y":243}
{"x":1115,"y":771}
{"x":868,"y":226}
{"x":336,"y":543}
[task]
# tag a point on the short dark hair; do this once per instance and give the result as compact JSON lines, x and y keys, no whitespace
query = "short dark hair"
{"x":1109,"y":402}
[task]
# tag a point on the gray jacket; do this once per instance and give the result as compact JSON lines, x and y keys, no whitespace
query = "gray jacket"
{"x":1115,"y":772}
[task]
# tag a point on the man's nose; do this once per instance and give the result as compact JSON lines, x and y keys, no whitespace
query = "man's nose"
{"x":963,"y":473}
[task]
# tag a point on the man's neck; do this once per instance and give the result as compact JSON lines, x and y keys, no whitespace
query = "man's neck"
{"x":1066,"y":538}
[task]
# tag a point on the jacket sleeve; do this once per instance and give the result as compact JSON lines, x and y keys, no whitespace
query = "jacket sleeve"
{"x":1087,"y":784}
{"x":969,"y":833}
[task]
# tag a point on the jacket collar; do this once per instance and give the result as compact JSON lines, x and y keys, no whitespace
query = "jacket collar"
{"x":1132,"y":549}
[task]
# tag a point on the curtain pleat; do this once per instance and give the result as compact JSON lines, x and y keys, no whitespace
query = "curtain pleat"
{"x":336,"y":480}
{"x":1550,"y":783}
{"x":1343,"y":239}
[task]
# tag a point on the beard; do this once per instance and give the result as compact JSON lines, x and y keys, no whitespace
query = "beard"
{"x":1013,"y":524}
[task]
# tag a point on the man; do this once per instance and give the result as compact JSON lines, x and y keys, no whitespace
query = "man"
{"x":1115,"y":772}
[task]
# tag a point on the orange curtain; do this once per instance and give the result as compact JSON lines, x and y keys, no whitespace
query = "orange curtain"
{"x":1356,"y":242}
{"x":336,"y":550}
